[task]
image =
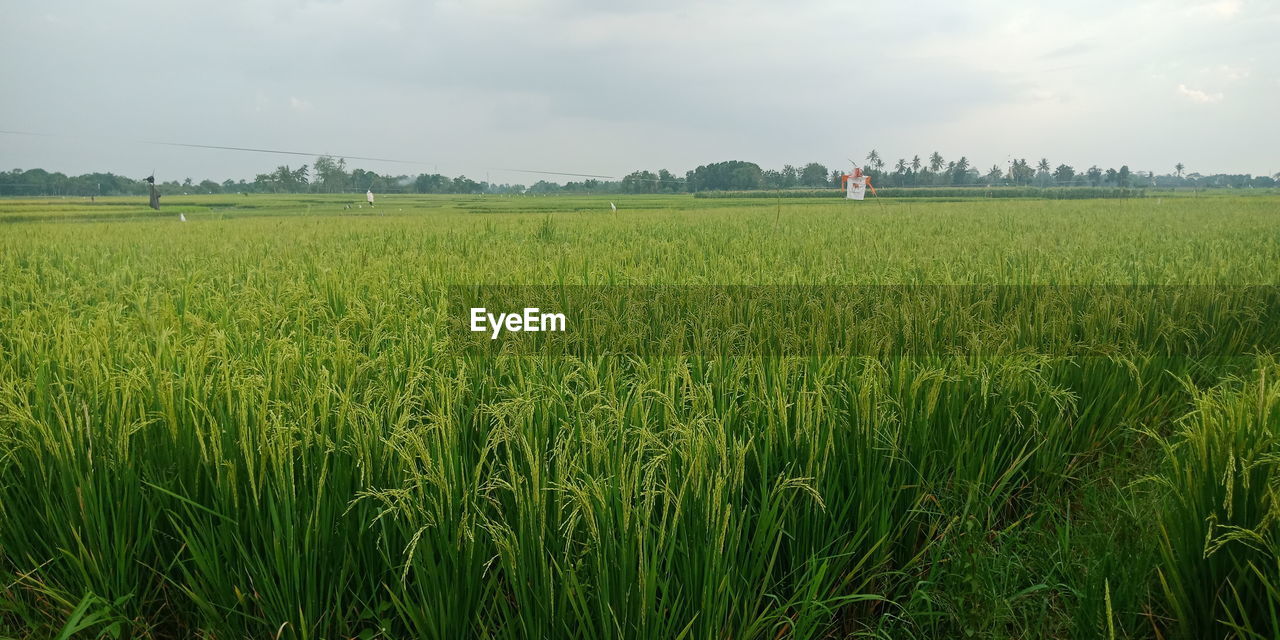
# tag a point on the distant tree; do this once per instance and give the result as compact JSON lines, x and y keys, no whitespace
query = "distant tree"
{"x":361,"y":180}
{"x":1021,"y":173}
{"x":1123,"y":176}
{"x":640,"y":182}
{"x":264,"y":182}
{"x":284,"y":179}
{"x":1177,"y":169}
{"x":960,"y":172}
{"x":1064,"y":174}
{"x":1110,"y":176}
{"x":463,"y":184}
{"x":935,"y":162}
{"x":542,"y":187}
{"x":330,"y":174}
{"x":790,"y":176}
{"x":1095,"y":175}
{"x":667,"y":182}
{"x":729,"y":175}
{"x":874,"y":161}
{"x":432,"y":183}
{"x":1043,"y":177}
{"x":745,"y":175}
{"x":813,"y":175}
{"x":209,"y":186}
{"x":994,"y":175}
{"x":915,"y":164}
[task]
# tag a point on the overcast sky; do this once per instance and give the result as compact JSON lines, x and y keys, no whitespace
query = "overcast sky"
{"x":569,"y":85}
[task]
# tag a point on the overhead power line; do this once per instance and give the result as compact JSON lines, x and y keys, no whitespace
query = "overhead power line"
{"x":557,"y":173}
{"x":192,"y":145}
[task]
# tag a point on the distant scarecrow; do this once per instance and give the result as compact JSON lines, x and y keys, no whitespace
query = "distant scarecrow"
{"x":155,"y":195}
{"x":856,"y":184}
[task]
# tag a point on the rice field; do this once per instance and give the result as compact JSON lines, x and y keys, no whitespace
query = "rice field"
{"x":263,"y":423}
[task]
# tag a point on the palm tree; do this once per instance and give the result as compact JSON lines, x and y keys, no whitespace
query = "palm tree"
{"x":1043,"y":166}
{"x":873,"y":160}
{"x":994,"y":175}
{"x":935,"y":162}
{"x":900,"y":170}
{"x":1178,"y":169}
{"x":915,"y":164}
{"x":960,"y":173}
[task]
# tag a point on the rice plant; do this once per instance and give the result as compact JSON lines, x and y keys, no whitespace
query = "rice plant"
{"x":263,"y":424}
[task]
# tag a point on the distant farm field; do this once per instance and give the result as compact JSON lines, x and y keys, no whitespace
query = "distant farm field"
{"x":258,"y":423}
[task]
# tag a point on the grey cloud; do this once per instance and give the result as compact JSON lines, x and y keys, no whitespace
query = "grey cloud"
{"x":470,"y":85}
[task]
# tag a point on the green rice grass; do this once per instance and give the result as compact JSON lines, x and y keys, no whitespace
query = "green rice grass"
{"x":255,"y":425}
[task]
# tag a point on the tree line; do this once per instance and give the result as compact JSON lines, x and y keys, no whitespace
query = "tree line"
{"x":331,"y":175}
{"x":326,"y":175}
{"x":936,"y":171}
